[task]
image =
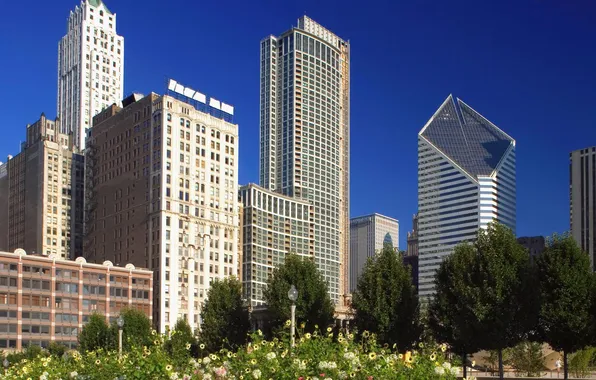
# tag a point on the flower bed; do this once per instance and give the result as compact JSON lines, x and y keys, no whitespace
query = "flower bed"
{"x":320,"y":355}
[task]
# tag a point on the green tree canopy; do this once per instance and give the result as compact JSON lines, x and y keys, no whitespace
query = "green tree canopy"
{"x":313,"y":306}
{"x":95,"y":334}
{"x":498,"y":287}
{"x":181,"y":344}
{"x":136,"y":330}
{"x":566,"y":320}
{"x":450,"y":317}
{"x":225,"y":318}
{"x":385,"y":301}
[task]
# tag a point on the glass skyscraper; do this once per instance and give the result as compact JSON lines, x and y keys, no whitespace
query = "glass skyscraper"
{"x":305,"y":129}
{"x":466,"y":179}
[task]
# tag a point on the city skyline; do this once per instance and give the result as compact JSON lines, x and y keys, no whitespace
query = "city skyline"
{"x":373,"y":138}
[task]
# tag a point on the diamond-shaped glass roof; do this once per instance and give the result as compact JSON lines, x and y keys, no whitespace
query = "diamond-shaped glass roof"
{"x":466,"y":137}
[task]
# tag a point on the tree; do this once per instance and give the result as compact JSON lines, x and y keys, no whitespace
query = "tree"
{"x":566,"y":288}
{"x":136,"y":331}
{"x":527,"y":357}
{"x":57,"y":349}
{"x":181,"y":344}
{"x":313,"y":306}
{"x":450,"y":317}
{"x":497,"y":288}
{"x":225,"y":318}
{"x":95,"y":334}
{"x":385,"y":302}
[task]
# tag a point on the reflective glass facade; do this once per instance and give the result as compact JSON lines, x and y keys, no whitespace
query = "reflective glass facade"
{"x":466,"y":179}
{"x":304,"y":151}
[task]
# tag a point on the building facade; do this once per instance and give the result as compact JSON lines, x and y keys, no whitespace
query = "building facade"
{"x":47,"y":299}
{"x":162,"y":177}
{"x":466,"y":179}
{"x":42,"y":194}
{"x":368,"y":235}
{"x":90,"y":67}
{"x":274,"y":225}
{"x":534,"y":244}
{"x":305,"y":130}
{"x":582,"y":200}
{"x":412,"y":249}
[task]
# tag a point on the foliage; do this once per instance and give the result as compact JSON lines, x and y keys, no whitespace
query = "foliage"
{"x":57,"y":349}
{"x":135,"y":332}
{"x":450,"y":315}
{"x":313,"y":306}
{"x":385,"y":301}
{"x":526,"y":357}
{"x":566,"y":291}
{"x":29,"y":353}
{"x":181,"y":343}
{"x":225,"y":318}
{"x":505,"y":301}
{"x":95,"y":334}
{"x":580,"y":362}
{"x":320,"y":355}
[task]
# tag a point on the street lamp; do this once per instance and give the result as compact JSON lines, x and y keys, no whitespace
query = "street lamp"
{"x":120,"y":322}
{"x":6,"y":364}
{"x":293,"y":296}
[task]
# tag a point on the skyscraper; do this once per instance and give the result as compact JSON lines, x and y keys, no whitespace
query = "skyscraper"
{"x":582,"y":200}
{"x":90,"y":67}
{"x":42,"y":200}
{"x":466,"y":179}
{"x":162,"y":180}
{"x":368,"y":235}
{"x":305,"y":130}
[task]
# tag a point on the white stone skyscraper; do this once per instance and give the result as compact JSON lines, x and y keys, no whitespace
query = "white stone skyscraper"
{"x":466,"y":179}
{"x":90,"y":68}
{"x":305,"y":129}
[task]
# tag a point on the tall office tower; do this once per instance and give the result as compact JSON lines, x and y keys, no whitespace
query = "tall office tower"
{"x":90,"y":67}
{"x":466,"y":179}
{"x":582,"y":200}
{"x":305,"y":130}
{"x":368,"y":235}
{"x":42,"y":196}
{"x":412,"y":249}
{"x":273,"y":226}
{"x":162,"y":180}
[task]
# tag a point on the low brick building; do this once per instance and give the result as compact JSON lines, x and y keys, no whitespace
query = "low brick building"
{"x":46,"y":298}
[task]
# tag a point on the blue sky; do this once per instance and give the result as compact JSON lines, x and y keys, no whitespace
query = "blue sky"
{"x":529,"y":66}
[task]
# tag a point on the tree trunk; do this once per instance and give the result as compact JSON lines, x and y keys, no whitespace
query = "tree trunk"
{"x":565,"y":368}
{"x":464,"y":360}
{"x":501,"y":374}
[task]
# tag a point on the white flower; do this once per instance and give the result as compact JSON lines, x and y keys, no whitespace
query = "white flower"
{"x":439,"y":371}
{"x":454,"y":371}
{"x":342,"y":375}
{"x":256,"y":373}
{"x":73,"y":374}
{"x":447,"y":365}
{"x":174,"y":376}
{"x":349,"y":355}
{"x":270,"y":356}
{"x":206,"y":360}
{"x":207,"y":376}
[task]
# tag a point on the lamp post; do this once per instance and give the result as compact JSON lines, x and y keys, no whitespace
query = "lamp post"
{"x":120,"y":322}
{"x":293,"y":296}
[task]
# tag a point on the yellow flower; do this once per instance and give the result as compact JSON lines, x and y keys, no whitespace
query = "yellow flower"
{"x":202,"y":346}
{"x":421,"y":345}
{"x":372,"y":356}
{"x":443,"y":347}
{"x":365,"y":334}
{"x":288,"y":323}
{"x":168,"y":367}
{"x":329,"y":329}
{"x":302,"y":325}
{"x":400,"y":356}
{"x":45,"y":364}
{"x":247,"y":370}
{"x":253,"y":361}
{"x":433,"y":357}
{"x":259,"y":332}
{"x":188,"y":346}
{"x":229,"y":354}
{"x":97,"y":362}
{"x":307,"y":336}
